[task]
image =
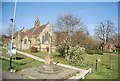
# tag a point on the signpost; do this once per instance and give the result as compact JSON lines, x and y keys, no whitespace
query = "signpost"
{"x":97,"y":60}
{"x":96,"y":64}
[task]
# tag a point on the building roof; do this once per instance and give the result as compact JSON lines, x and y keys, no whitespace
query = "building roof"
{"x":33,"y":32}
{"x":38,"y":30}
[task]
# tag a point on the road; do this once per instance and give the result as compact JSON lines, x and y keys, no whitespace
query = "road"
{"x":7,"y":75}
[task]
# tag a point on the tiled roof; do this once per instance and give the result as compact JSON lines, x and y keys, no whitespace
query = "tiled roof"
{"x":31,"y":32}
{"x":38,"y":30}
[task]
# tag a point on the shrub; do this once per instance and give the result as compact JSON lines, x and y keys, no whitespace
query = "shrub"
{"x":4,"y":45}
{"x":47,"y":48}
{"x":33,"y":49}
{"x":76,"y":59}
{"x":90,"y":51}
{"x":61,"y":50}
{"x":99,"y":52}
{"x":1,"y":44}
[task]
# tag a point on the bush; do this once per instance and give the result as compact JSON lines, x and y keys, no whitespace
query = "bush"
{"x":61,"y":50}
{"x":1,"y":44}
{"x":76,"y":59}
{"x":90,"y":51}
{"x":4,"y":45}
{"x":99,"y":52}
{"x":47,"y":48}
{"x":33,"y":49}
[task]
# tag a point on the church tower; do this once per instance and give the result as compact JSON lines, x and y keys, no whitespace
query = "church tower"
{"x":36,"y":22}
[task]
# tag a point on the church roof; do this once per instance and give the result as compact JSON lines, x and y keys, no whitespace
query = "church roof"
{"x":38,"y":30}
{"x":33,"y":32}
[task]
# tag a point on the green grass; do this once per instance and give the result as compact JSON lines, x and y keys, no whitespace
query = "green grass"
{"x":101,"y":73}
{"x":28,"y":62}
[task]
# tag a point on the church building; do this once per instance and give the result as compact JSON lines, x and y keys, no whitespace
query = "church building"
{"x":38,"y":36}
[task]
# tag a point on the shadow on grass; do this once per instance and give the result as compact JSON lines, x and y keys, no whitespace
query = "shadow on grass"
{"x":57,"y":56}
{"x":18,"y":58}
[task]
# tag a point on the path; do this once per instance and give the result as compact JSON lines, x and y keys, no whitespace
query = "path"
{"x":78,"y":76}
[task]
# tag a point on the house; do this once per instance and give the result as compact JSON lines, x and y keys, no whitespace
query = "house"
{"x":112,"y":47}
{"x":38,"y":36}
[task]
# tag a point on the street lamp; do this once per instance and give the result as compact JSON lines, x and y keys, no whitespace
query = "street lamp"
{"x":13,"y":22}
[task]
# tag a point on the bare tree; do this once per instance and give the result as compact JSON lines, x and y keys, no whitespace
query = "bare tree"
{"x":69,"y":23}
{"x":105,"y":31}
{"x":9,"y":29}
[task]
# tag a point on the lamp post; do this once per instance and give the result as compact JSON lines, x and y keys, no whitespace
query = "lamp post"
{"x":13,"y":22}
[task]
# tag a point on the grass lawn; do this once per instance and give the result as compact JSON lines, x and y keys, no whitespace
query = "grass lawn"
{"x":101,"y":73}
{"x":27,"y":62}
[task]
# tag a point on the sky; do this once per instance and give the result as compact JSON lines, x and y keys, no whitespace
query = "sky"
{"x":90,"y":13}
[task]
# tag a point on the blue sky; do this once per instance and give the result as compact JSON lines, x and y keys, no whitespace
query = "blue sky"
{"x":90,"y":12}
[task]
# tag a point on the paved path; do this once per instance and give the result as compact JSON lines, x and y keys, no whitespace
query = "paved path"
{"x":78,"y":76}
{"x":32,"y":56}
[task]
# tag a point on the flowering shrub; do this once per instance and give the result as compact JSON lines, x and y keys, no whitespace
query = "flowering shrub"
{"x":77,"y":49}
{"x":75,"y":57}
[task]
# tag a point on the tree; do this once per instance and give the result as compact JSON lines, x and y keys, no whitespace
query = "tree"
{"x":104,"y":31}
{"x":84,"y":40}
{"x":66,"y":26}
{"x":115,"y":38}
{"x":9,"y":29}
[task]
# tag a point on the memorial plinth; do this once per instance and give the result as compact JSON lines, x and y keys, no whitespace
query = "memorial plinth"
{"x":49,"y":67}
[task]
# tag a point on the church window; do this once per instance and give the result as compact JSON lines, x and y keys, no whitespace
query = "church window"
{"x":43,"y":39}
{"x":25,"y":41}
{"x":45,"y":36}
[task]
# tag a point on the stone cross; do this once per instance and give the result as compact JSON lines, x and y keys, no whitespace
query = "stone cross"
{"x":50,"y":43}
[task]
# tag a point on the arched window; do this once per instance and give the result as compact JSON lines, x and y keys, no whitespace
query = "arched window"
{"x":45,"y":37}
{"x":25,"y":41}
{"x":42,"y":39}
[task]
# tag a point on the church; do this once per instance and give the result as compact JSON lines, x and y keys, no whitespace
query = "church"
{"x":38,"y":36}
